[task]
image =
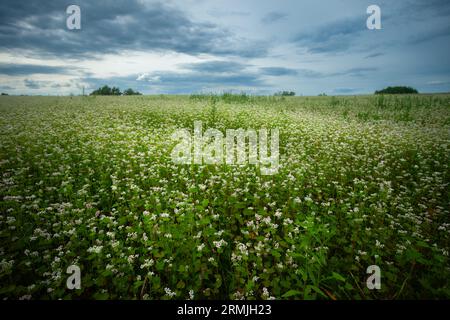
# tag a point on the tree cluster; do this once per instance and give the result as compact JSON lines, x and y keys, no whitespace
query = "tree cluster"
{"x":397,"y":90}
{"x":114,"y":91}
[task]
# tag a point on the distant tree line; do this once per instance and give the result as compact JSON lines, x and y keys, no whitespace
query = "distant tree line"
{"x":114,"y":91}
{"x":131,"y":92}
{"x":397,"y":90}
{"x":285,"y":93}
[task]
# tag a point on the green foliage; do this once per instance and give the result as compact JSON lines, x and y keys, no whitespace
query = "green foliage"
{"x":397,"y":90}
{"x":131,"y":92}
{"x":114,"y":91}
{"x":106,"y":91}
{"x":89,"y":181}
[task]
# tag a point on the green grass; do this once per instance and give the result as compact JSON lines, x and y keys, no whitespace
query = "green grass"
{"x":89,"y":181}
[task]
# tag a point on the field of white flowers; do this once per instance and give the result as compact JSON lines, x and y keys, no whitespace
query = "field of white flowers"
{"x":89,"y":181}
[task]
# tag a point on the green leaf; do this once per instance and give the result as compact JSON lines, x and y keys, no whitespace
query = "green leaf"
{"x":338,"y":277}
{"x":291,"y":293}
{"x":275,"y":253}
{"x":317,"y":290}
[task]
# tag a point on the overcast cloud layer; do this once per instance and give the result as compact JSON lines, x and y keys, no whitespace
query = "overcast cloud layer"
{"x":255,"y":46}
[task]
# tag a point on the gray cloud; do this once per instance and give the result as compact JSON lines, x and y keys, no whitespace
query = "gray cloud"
{"x":212,"y":74}
{"x":215,"y":66}
{"x":441,"y":32}
{"x":273,"y":16}
{"x":111,"y":26}
{"x":352,"y":72}
{"x":332,"y":37}
{"x":355,"y":72}
{"x":425,"y":21}
{"x":221,"y":13}
{"x":39,"y":84}
{"x":425,"y":9}
{"x":32,"y":84}
{"x":28,"y":69}
{"x":307,"y":73}
{"x":374,"y":55}
{"x":278,"y":71}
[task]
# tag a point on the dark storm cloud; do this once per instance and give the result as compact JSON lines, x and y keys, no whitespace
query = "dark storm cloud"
{"x":345,"y":35}
{"x":28,"y":69}
{"x":332,"y":37}
{"x":112,"y":26}
{"x":273,"y":16}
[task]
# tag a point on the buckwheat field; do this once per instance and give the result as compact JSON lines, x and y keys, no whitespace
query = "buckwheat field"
{"x":89,"y":181}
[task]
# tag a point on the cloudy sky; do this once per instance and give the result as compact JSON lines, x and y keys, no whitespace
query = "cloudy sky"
{"x":256,"y":46}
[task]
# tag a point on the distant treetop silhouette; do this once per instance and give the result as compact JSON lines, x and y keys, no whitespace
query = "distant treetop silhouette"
{"x":397,"y":90}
